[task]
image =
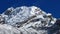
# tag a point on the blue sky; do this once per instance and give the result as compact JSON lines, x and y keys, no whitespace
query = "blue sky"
{"x":49,"y":6}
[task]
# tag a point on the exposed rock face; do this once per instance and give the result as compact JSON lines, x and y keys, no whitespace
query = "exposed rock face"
{"x":28,"y":20}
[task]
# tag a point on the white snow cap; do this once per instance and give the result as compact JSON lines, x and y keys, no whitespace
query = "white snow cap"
{"x":27,"y":12}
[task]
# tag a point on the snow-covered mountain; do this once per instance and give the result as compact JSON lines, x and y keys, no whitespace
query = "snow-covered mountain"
{"x":27,"y":20}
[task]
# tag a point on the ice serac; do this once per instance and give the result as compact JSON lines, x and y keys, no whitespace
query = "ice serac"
{"x":28,"y":20}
